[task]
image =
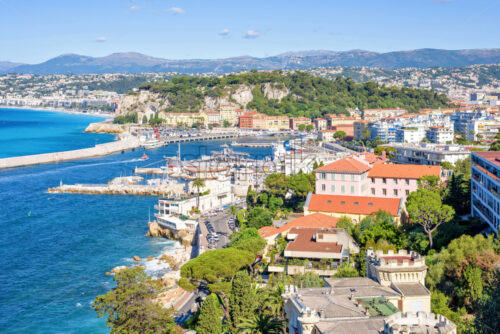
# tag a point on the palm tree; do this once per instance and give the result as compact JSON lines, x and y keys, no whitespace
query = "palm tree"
{"x":260,"y":324}
{"x":198,"y":183}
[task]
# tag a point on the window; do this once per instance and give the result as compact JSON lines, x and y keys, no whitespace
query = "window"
{"x":333,"y":176}
{"x":373,"y":191}
{"x":342,"y":177}
{"x":373,"y":180}
{"x":395,"y":181}
{"x":352,"y":177}
{"x":332,"y":188}
{"x":352,"y":189}
{"x":384,"y":180}
{"x":323,"y":187}
{"x":342,"y":189}
{"x":384,"y":192}
{"x":356,"y":203}
{"x":407,"y":192}
{"x":395,"y":192}
{"x":343,"y":202}
{"x":407,"y":182}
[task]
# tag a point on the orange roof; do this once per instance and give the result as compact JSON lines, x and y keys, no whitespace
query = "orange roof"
{"x":344,"y":165}
{"x":304,"y":242}
{"x":316,"y":220}
{"x":353,"y":204}
{"x":404,"y":171}
{"x":373,"y":159}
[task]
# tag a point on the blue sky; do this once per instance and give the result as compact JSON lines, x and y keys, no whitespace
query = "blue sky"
{"x":36,"y":30}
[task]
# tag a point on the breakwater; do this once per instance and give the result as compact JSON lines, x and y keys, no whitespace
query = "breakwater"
{"x":118,"y":189}
{"x":98,"y":150}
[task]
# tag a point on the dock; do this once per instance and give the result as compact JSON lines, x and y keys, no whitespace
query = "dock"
{"x":213,"y":136}
{"x":115,"y":189}
{"x":255,"y":145}
{"x":96,"y":151}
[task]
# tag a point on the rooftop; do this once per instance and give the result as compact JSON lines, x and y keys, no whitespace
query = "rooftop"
{"x":493,"y":157}
{"x":345,"y":165}
{"x":404,"y":171}
{"x":412,"y":289}
{"x":307,"y":240}
{"x":352,"y":204}
{"x":316,"y":220}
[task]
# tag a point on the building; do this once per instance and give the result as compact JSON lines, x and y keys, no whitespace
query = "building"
{"x":184,"y":119}
{"x":378,"y":114}
{"x":485,"y":187}
{"x":392,"y":299}
{"x":384,"y":131}
{"x":413,"y":134}
{"x":347,"y":128}
{"x":484,"y":129}
{"x":439,"y":135}
{"x":295,"y":122}
{"x":428,"y":154}
{"x":326,"y":135}
{"x":354,"y":207}
{"x":213,"y":117}
{"x":398,"y":181}
{"x":228,"y":113}
{"x":333,"y":119}
{"x":252,"y":120}
{"x":320,"y":124}
{"x":362,"y":129}
{"x":277,"y":122}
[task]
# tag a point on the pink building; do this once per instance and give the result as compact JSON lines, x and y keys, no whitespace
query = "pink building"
{"x":364,"y":175}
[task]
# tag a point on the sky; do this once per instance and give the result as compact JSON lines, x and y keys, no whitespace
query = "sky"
{"x":33,"y":31}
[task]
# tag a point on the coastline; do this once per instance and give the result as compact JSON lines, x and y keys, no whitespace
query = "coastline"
{"x":62,"y":110}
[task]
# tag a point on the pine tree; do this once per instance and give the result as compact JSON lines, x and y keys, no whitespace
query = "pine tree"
{"x":210,"y":319}
{"x":242,"y":301}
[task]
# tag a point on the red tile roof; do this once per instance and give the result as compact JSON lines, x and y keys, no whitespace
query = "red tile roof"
{"x":304,"y":242}
{"x":493,"y":156}
{"x":316,"y":220}
{"x":353,"y":204}
{"x":404,"y":171}
{"x":344,"y":165}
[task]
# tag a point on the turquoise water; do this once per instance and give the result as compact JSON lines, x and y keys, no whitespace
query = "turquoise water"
{"x":55,"y":248}
{"x":24,"y":132}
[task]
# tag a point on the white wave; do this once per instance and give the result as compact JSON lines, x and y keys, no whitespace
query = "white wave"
{"x":78,"y":305}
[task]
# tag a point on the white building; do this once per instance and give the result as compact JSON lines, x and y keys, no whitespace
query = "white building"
{"x":482,"y":129}
{"x":485,"y":187}
{"x":439,"y":135}
{"x":413,"y":134}
{"x":428,"y":154}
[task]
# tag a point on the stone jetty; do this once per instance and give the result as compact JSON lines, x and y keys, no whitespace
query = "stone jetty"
{"x":96,"y":151}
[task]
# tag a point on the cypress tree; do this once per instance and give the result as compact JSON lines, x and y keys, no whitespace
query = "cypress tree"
{"x":210,"y":319}
{"x":242,"y":301}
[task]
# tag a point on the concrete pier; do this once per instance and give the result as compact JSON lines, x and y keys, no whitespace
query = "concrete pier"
{"x":98,"y":150}
{"x":117,"y":189}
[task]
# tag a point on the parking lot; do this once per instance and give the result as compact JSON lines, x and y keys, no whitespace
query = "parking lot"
{"x":220,"y":225}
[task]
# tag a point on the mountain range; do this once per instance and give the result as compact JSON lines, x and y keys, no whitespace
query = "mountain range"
{"x":132,"y":62}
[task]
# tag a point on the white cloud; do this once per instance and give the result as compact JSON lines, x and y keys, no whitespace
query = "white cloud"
{"x":224,"y":33}
{"x":101,"y":39}
{"x":177,"y":10}
{"x":134,"y":8}
{"x":251,"y":34}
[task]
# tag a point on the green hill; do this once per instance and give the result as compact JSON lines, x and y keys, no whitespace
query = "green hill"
{"x":299,"y":94}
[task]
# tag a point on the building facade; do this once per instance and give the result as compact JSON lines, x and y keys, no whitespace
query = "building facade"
{"x":485,"y":187}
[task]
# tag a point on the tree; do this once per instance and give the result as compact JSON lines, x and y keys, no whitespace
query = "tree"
{"x":198,"y":184}
{"x":429,"y":182}
{"x":301,"y":184}
{"x":346,"y":270}
{"x":260,"y":324}
{"x":487,"y":318}
{"x":309,"y":127}
{"x":210,"y":318}
{"x":276,"y":184}
{"x":249,"y":239}
{"x":131,"y":307}
{"x":426,"y":209}
{"x":226,"y":123}
{"x":339,"y":135}
{"x":302,"y":127}
{"x":258,"y":217}
{"x":242,"y":300}
{"x":234,"y":210}
{"x":458,"y":194}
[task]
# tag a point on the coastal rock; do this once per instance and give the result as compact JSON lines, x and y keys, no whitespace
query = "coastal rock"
{"x":117,"y":269}
{"x":107,"y":273}
{"x":150,"y":258}
{"x":136,"y":258}
{"x":155,"y":230}
{"x":105,"y":127}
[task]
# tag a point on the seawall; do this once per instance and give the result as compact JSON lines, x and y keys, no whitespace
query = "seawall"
{"x":98,"y":150}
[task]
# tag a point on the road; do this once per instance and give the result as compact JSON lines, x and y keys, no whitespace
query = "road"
{"x":221,"y":227}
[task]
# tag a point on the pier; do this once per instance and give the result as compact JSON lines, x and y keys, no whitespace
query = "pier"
{"x":96,"y":151}
{"x":214,"y":136}
{"x":255,"y":145}
{"x":105,"y":189}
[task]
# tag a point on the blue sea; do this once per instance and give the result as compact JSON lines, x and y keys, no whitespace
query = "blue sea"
{"x":55,"y":248}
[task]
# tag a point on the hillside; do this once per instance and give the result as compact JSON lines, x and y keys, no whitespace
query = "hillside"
{"x":275,"y":93}
{"x":132,"y":62}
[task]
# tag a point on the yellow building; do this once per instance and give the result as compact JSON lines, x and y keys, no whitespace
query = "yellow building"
{"x":277,"y":122}
{"x":183,"y":119}
{"x":228,"y":113}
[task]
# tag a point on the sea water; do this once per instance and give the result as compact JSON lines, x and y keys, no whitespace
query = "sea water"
{"x":55,"y":248}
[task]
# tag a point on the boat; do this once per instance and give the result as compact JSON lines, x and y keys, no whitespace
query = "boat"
{"x":144,"y":157}
{"x":152,"y":143}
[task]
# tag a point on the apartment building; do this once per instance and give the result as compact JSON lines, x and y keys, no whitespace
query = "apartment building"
{"x":362,"y":129}
{"x":213,"y":116}
{"x":296,"y":121}
{"x":277,"y":122}
{"x":378,"y":114}
{"x":320,"y":124}
{"x":413,"y":134}
{"x":228,"y":113}
{"x":252,"y":120}
{"x":187,"y":119}
{"x":439,"y":135}
{"x":485,"y":129}
{"x":485,"y":187}
{"x":428,"y":154}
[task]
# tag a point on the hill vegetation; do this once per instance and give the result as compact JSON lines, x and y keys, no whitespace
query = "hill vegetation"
{"x":303,"y":94}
